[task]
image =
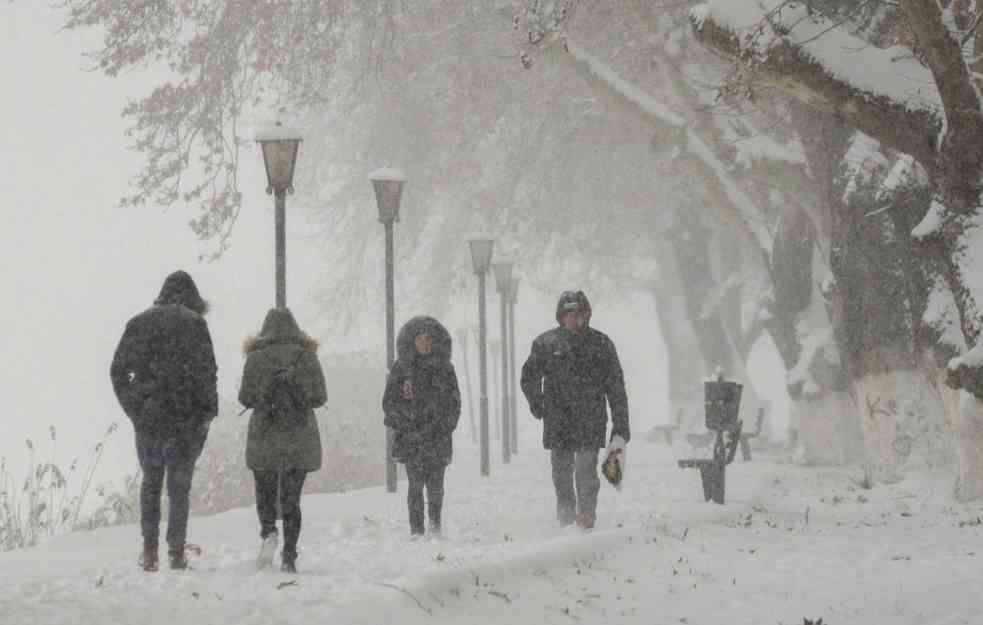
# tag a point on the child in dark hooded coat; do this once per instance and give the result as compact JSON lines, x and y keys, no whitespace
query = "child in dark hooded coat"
{"x":422,"y":405}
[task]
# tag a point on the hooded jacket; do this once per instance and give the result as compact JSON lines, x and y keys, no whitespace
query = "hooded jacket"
{"x":163,"y":371}
{"x":422,"y":402}
{"x":570,"y":380}
{"x":280,"y":442}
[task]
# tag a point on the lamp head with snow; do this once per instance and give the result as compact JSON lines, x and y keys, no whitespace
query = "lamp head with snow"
{"x":280,"y":145}
{"x":503,"y":275}
{"x":481,"y":253}
{"x":388,"y":185}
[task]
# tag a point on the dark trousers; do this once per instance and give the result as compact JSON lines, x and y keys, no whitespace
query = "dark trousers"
{"x":172,"y":456}
{"x":291,"y":483}
{"x":430,"y":475}
{"x":572,"y":468}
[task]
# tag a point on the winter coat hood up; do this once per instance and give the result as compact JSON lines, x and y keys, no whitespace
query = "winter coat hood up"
{"x":180,"y":289}
{"x":280,"y":327}
{"x":572,"y":300}
{"x":406,"y":348}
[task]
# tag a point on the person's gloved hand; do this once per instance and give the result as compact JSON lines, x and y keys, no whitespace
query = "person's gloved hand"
{"x":614,"y":463}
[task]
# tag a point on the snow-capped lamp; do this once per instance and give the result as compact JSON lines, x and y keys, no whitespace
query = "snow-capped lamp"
{"x":388,"y":185}
{"x":481,"y":253}
{"x":503,"y":276}
{"x":280,"y":146}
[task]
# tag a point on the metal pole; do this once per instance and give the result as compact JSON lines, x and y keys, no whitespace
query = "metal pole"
{"x":513,"y":386}
{"x":280,"y":196}
{"x":390,"y":350}
{"x":483,"y":373}
{"x":494,"y":420}
{"x":503,"y":295}
{"x":462,"y":338}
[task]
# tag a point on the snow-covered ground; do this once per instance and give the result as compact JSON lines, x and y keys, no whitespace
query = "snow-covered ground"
{"x":791,"y":542}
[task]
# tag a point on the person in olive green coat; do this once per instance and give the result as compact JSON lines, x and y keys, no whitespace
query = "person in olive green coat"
{"x":282,"y":382}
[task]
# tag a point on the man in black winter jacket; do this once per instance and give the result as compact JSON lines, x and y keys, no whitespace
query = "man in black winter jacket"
{"x":164,"y":376}
{"x":571,"y":377}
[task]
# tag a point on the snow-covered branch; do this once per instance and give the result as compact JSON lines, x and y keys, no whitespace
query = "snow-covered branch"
{"x":885,"y":93}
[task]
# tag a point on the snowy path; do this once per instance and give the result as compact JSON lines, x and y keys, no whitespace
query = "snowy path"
{"x":898,"y":554}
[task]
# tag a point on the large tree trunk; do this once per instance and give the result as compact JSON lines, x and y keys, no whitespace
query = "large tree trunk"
{"x":954,"y":165}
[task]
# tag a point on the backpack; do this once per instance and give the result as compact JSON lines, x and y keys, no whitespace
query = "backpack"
{"x":285,"y":398}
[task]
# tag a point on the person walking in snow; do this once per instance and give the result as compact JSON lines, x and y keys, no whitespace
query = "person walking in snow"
{"x":282,"y":382}
{"x":164,"y":376}
{"x":571,"y":372}
{"x":422,"y":405}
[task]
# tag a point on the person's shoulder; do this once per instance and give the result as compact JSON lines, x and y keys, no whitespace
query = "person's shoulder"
{"x":599,"y":337}
{"x":173,"y":311}
{"x":548,"y":337}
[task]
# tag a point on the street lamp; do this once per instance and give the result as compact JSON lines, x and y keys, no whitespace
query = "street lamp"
{"x":280,"y":146}
{"x":481,"y":254}
{"x":503,"y":280}
{"x":388,"y":185}
{"x":514,"y":429}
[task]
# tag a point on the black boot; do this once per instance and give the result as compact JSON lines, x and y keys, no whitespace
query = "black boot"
{"x":289,"y":564}
{"x":179,"y":561}
{"x":149,"y":560}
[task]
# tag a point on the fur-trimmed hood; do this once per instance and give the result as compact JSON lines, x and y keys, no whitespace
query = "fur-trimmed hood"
{"x":279,"y":327}
{"x":180,"y":289}
{"x":405,"y":347}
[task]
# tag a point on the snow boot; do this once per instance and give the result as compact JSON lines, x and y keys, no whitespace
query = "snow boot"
{"x":289,"y":564}
{"x":178,"y":560}
{"x":585,"y":520}
{"x":267,"y":551}
{"x":433,"y":527}
{"x":149,"y":560}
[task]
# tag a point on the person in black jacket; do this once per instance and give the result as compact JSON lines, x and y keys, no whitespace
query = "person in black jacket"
{"x":284,"y":443}
{"x":164,"y":376}
{"x":422,"y":404}
{"x":571,"y":377}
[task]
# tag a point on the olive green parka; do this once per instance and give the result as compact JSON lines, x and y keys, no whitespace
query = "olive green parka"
{"x":274,"y":442}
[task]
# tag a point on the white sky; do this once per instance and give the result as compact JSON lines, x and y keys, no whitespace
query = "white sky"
{"x":74,"y":266}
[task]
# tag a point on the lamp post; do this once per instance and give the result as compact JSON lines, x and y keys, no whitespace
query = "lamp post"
{"x":503,"y":280}
{"x":514,"y":429}
{"x":494,"y":380}
{"x":280,"y":146}
{"x":481,"y":254}
{"x":462,"y":341}
{"x":388,"y":186}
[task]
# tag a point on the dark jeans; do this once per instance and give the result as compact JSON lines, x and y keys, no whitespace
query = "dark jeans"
{"x":173,"y":456}
{"x":430,"y":475}
{"x":570,"y":467}
{"x":291,"y":483}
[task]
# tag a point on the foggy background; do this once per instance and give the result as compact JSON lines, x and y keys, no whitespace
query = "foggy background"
{"x":76,"y":267}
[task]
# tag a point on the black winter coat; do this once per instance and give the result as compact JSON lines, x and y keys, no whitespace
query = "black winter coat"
{"x":567,"y":379}
{"x":422,"y":402}
{"x":282,"y":442}
{"x":163,"y":371}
